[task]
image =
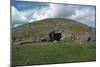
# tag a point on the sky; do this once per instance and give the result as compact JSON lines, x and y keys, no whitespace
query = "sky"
{"x":27,"y":12}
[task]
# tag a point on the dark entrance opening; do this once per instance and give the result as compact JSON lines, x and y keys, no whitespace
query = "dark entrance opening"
{"x":54,"y":36}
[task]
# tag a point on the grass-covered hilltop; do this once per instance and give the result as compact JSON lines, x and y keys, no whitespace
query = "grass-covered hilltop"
{"x":38,"y":30}
{"x":31,"y":44}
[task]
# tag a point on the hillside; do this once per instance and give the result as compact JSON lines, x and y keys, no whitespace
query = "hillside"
{"x":38,"y":30}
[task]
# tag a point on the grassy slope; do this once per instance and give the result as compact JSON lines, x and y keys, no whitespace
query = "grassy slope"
{"x":59,"y":52}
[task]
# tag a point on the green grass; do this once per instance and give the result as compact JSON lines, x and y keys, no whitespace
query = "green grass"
{"x":49,"y":52}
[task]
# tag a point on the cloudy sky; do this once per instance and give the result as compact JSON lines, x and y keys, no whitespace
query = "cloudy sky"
{"x":26,"y":12}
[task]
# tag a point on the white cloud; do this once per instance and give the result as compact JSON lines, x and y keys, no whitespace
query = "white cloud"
{"x":51,"y":11}
{"x":83,"y":14}
{"x":60,"y":11}
{"x":35,"y":14}
{"x":40,"y":14}
{"x":17,"y":17}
